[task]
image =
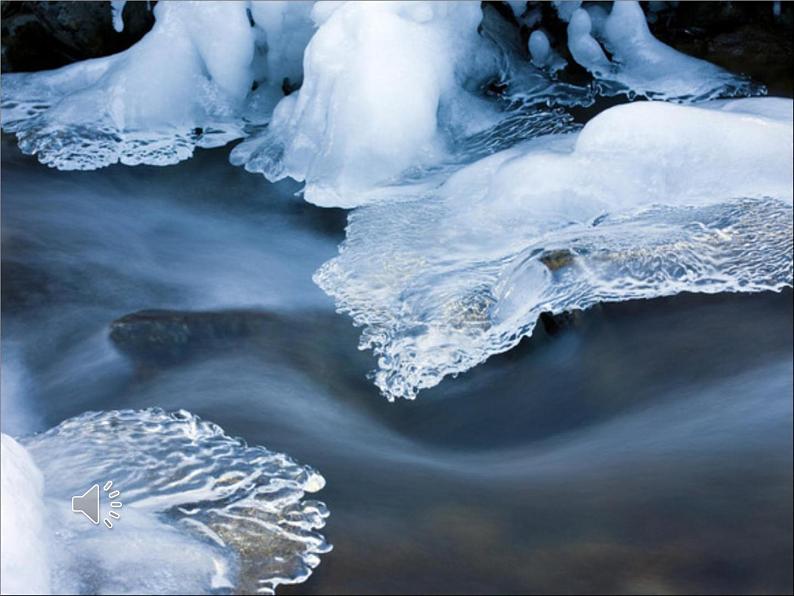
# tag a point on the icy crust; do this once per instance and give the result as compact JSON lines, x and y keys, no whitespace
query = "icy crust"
{"x":649,"y":199}
{"x":188,"y":83}
{"x":202,"y":512}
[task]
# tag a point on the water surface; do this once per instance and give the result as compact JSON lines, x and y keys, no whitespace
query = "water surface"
{"x":641,"y":447}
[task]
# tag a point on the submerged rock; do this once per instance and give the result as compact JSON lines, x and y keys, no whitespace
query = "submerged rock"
{"x":556,"y":259}
{"x":320,"y":344}
{"x":169,"y":336}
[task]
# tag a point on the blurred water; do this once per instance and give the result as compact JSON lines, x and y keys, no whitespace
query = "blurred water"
{"x":647,"y":448}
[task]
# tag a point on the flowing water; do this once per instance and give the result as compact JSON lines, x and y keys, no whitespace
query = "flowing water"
{"x":637,"y":447}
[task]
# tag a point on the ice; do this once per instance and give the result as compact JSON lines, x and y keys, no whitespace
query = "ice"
{"x":641,"y":64}
{"x":138,"y":108}
{"x":201,"y":511}
{"x":377,"y":74}
{"x":390,"y":87}
{"x":649,"y":199}
{"x":518,"y":7}
{"x":385,"y":106}
{"x":117,"y":11}
{"x":583,"y":46}
{"x":566,"y":8}
{"x":24,"y":565}
{"x":541,"y":53}
{"x":284,"y":28}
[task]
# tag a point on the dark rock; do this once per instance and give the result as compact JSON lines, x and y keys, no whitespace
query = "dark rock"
{"x":164,"y":336}
{"x":743,"y":37}
{"x":321,"y":344}
{"x":556,"y":324}
{"x":45,"y":35}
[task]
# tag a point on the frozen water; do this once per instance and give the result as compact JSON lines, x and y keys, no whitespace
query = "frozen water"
{"x":201,"y":511}
{"x":566,"y":8}
{"x":117,"y":11}
{"x":388,"y":103}
{"x":24,"y":565}
{"x":583,"y":46}
{"x":137,"y":108}
{"x":542,"y":54}
{"x":376,"y":76}
{"x":397,"y":87}
{"x":389,"y":86}
{"x":640,"y":63}
{"x":648,"y":199}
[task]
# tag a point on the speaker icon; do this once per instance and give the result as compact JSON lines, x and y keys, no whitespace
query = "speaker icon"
{"x":88,"y":504}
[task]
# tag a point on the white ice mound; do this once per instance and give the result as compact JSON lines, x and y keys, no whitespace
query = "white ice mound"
{"x":392,"y":88}
{"x":375,"y":76}
{"x":186,"y":84}
{"x":202,"y":512}
{"x":641,"y":64}
{"x":649,"y":199}
{"x":24,"y":565}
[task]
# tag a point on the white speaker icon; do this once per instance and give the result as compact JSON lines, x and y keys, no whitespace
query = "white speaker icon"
{"x":88,"y":504}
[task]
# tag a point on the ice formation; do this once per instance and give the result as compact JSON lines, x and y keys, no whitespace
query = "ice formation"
{"x":566,"y":8}
{"x":389,"y":86}
{"x":379,"y":79}
{"x":479,"y":206}
{"x":541,"y":53}
{"x":649,"y":199}
{"x":117,"y":12}
{"x":138,"y":108}
{"x":640,"y":63}
{"x":202,"y":512}
{"x":24,"y":567}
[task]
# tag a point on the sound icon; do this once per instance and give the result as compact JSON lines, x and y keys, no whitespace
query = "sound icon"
{"x":88,"y":504}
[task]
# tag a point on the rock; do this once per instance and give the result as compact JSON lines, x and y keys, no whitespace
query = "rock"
{"x":45,"y":35}
{"x":743,"y":37}
{"x":555,"y":324}
{"x":165,"y":336}
{"x":556,"y":259}
{"x":320,"y":344}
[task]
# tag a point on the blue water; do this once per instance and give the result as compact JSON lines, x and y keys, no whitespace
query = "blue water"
{"x":645,"y":447}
